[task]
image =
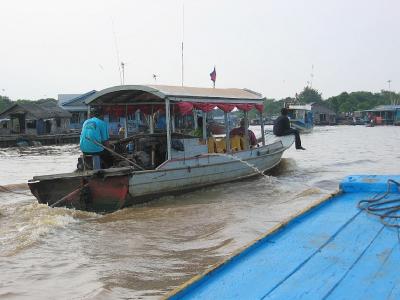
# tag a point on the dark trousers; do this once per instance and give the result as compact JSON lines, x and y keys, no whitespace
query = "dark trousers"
{"x":297,"y":140}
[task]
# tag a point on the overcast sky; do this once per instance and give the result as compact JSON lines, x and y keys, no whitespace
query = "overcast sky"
{"x":50,"y":47}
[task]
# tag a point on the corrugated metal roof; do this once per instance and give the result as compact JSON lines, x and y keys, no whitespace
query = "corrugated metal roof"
{"x":42,"y":111}
{"x":384,"y":108}
{"x":79,"y":100}
{"x":126,"y":94}
{"x":303,"y":107}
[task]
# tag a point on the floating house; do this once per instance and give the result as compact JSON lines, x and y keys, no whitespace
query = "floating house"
{"x":383,"y":115}
{"x":75,"y":104}
{"x":322,"y":115}
{"x":34,"y":119}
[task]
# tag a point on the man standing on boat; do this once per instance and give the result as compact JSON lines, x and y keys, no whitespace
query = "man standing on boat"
{"x":93,"y":136}
{"x":282,"y":127}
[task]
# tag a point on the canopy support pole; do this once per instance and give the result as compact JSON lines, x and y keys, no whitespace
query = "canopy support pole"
{"x":204,"y":127}
{"x":126,"y":122}
{"x":262,"y":128}
{"x":173,"y":123}
{"x":195,"y":119}
{"x":227,"y":138}
{"x":246,"y":130}
{"x":168,"y":122}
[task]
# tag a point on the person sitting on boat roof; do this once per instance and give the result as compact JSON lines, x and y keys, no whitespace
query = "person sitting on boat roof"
{"x":241,"y":130}
{"x":93,"y":136}
{"x":199,"y":131}
{"x":282,"y":127}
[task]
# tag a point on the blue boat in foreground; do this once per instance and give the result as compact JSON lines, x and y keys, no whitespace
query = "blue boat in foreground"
{"x":346,"y":246}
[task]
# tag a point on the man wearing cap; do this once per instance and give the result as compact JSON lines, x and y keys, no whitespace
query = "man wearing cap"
{"x":282,"y":127}
{"x":93,"y":136}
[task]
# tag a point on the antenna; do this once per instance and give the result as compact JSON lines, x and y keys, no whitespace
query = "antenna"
{"x":123,"y":72}
{"x":390,"y":94}
{"x":183,"y":35}
{"x":117,"y":52}
{"x":312,"y":75}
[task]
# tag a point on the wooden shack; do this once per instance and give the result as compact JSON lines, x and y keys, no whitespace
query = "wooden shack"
{"x":34,"y":119}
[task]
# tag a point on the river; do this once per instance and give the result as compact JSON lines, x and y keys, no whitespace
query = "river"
{"x":145,"y":251}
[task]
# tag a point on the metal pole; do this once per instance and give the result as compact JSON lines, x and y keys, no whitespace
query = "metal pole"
{"x":246,"y":131}
{"x":151,"y":123}
{"x":204,"y":127}
{"x":262,"y":128}
{"x":173,"y":123}
{"x":195,"y":119}
{"x":227,"y":138}
{"x":167,"y":119}
{"x":183,"y":35}
{"x":126,"y":122}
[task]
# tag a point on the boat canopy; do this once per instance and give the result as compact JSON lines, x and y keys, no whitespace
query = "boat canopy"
{"x":185,"y":98}
{"x":300,"y":107}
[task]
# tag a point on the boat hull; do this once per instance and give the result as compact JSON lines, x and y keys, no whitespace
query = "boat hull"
{"x":331,"y":250}
{"x":112,"y":189}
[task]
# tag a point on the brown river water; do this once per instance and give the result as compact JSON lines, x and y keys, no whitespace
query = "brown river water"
{"x":145,"y":251}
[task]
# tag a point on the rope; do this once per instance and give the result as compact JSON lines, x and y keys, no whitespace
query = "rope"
{"x":7,"y":190}
{"x":386,"y":210}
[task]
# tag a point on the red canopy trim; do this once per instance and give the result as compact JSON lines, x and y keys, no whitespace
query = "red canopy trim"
{"x":226,"y":107}
{"x":245,"y":107}
{"x":185,"y":107}
{"x":206,"y":107}
{"x":259,"y":107}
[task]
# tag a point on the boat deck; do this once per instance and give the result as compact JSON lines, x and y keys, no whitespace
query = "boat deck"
{"x":333,"y":251}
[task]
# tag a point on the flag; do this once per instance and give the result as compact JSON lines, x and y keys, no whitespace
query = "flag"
{"x":213,"y":75}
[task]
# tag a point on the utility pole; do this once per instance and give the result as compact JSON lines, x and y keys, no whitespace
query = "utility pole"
{"x":183,"y":38}
{"x":390,"y":94}
{"x":312,"y":75}
{"x":123,"y":72}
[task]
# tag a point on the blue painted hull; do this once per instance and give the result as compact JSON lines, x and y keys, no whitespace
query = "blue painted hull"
{"x":332,"y":250}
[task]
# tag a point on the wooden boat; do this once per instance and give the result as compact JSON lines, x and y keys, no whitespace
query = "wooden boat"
{"x":174,"y":162}
{"x":331,"y":250}
{"x":301,"y":118}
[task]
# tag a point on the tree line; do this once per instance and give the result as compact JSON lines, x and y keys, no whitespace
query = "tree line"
{"x":340,"y":104}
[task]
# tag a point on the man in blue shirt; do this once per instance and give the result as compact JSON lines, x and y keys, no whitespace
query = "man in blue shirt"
{"x":95,"y":134}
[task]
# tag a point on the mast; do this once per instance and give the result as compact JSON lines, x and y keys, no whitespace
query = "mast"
{"x":183,"y":38}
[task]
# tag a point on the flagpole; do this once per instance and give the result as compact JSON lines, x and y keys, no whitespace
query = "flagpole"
{"x":183,"y":36}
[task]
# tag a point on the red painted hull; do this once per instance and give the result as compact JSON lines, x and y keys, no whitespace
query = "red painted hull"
{"x":83,"y":193}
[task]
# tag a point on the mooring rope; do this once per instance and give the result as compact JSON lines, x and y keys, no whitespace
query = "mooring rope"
{"x":386,"y":210}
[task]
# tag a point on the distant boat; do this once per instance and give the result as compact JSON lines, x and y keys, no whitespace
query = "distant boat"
{"x":331,"y":250}
{"x":301,"y":118}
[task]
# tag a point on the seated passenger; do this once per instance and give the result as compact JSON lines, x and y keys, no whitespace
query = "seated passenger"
{"x":240,"y":132}
{"x":282,"y":127}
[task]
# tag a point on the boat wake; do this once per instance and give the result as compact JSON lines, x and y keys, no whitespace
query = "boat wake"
{"x":24,"y":226}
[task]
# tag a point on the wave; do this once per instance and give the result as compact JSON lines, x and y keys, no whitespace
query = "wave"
{"x":24,"y":226}
{"x":13,"y":187}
